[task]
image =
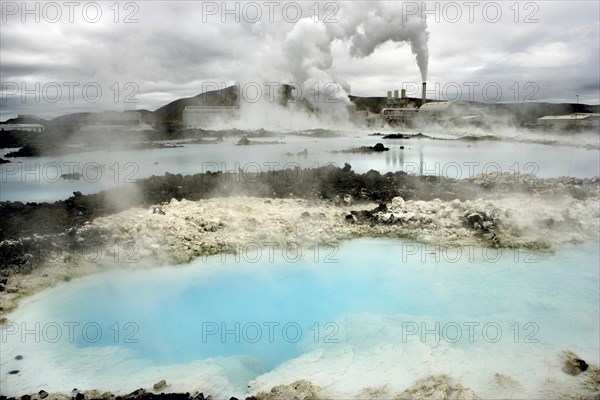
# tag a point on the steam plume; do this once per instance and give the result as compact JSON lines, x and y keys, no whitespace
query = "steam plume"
{"x":365,"y":26}
{"x":375,"y":23}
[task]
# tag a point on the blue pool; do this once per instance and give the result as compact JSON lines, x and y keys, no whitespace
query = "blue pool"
{"x":248,"y":315}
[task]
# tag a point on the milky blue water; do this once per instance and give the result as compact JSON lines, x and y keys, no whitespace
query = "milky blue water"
{"x":273,"y":310}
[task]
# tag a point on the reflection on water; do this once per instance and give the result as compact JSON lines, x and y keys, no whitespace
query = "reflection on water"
{"x":39,"y":179}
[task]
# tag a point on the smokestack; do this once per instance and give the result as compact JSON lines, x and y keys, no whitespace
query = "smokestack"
{"x":423,"y":98}
{"x":403,"y":94}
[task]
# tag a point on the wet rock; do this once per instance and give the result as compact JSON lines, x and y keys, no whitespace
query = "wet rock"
{"x":19,"y":357}
{"x":25,"y":151}
{"x":137,"y":393}
{"x":349,"y":218}
{"x":474,"y":218}
{"x":26,"y":397}
{"x":298,"y":390}
{"x":395,"y":136}
{"x":79,"y":396}
{"x":363,"y":215}
{"x":75,"y":176}
{"x":160,"y":384}
{"x":43,"y":394}
{"x":380,"y":147}
{"x":14,"y":372}
{"x":573,"y":364}
{"x":381,"y":208}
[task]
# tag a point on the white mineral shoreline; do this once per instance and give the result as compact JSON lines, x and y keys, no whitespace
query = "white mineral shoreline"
{"x":184,"y":230}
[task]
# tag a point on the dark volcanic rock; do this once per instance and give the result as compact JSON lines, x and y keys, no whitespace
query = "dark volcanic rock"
{"x":75,"y":176}
{"x":378,"y":148}
{"x":26,"y":151}
{"x":395,"y":136}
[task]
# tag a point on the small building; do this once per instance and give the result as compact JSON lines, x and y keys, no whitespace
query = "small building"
{"x":576,"y":120}
{"x":23,"y":127}
{"x":201,"y":116}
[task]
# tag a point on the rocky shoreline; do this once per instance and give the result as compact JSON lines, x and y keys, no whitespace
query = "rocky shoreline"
{"x":580,"y":381}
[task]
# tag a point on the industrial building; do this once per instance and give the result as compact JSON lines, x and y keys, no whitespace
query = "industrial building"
{"x":398,"y":110}
{"x":23,"y":127}
{"x":201,"y":116}
{"x":576,"y":120}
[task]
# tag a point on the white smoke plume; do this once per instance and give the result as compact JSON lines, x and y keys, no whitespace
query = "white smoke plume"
{"x":364,"y":26}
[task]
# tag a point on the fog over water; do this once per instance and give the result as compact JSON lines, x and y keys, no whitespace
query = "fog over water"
{"x":38,"y":179}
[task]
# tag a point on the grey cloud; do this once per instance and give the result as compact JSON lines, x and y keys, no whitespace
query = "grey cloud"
{"x":171,"y":51}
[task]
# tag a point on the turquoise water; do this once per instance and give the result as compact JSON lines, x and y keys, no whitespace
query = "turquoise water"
{"x":367,"y":292}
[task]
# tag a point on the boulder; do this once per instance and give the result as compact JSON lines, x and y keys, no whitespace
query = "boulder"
{"x":380,"y":147}
{"x":573,"y":364}
{"x":298,"y":390}
{"x":160,"y":384}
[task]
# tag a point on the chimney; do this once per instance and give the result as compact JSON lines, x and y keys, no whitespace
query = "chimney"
{"x":423,"y":94}
{"x":403,"y":94}
{"x":389,"y":94}
{"x":396,"y":93}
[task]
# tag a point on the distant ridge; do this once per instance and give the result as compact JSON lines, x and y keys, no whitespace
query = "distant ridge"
{"x":171,"y":114}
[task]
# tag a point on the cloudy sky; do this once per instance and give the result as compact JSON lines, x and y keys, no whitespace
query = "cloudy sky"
{"x":62,"y":57}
